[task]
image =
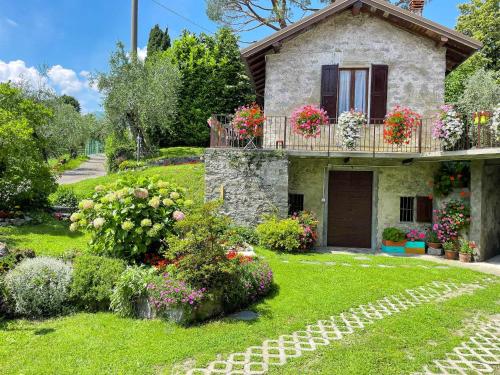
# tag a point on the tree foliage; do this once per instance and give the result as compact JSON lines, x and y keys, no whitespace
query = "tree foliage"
{"x":246,"y":15}
{"x":71,"y":100}
{"x":158,"y":40}
{"x":213,"y":81}
{"x":140,"y":98}
{"x":481,"y":93}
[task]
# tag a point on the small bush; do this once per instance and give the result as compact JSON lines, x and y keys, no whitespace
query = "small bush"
{"x":198,"y":250}
{"x":130,"y":287}
{"x":64,"y":196}
{"x":14,"y":257}
{"x":282,"y":235}
{"x":309,"y":224}
{"x":393,"y":234}
{"x":39,"y":287}
{"x":130,"y":217}
{"x":239,"y":235}
{"x":93,"y":280}
{"x":253,"y":279}
{"x":118,"y":149}
{"x":130,"y":165}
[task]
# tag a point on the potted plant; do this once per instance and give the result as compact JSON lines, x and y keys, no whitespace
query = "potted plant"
{"x":399,"y":125}
{"x":466,"y":250}
{"x":433,"y":244}
{"x":307,"y":120}
{"x":450,"y":250}
{"x":448,"y":127}
{"x":393,"y":237}
{"x":416,"y":243}
{"x":350,"y":124}
{"x":248,"y":121}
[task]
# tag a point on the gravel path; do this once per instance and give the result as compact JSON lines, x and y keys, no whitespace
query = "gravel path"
{"x":94,"y":167}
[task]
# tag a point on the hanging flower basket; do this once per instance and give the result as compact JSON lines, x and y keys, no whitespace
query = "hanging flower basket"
{"x":448,"y":127}
{"x":350,"y":124}
{"x":307,"y":121}
{"x":399,"y":125}
{"x":248,"y":121}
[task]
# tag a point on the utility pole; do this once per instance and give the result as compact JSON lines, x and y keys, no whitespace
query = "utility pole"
{"x":133,"y":29}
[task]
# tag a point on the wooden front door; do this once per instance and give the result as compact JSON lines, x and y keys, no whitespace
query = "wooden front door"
{"x":350,"y":209}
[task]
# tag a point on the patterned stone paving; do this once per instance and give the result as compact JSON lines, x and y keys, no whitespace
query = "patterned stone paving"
{"x":257,"y":359}
{"x":479,"y":355}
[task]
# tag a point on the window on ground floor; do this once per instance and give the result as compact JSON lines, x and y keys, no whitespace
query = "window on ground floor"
{"x":406,"y":209}
{"x":295,"y":203}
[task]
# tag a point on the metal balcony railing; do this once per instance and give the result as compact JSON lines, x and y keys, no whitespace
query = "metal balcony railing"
{"x":277,"y":133}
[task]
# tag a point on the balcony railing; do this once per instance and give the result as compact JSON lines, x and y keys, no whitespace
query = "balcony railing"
{"x":278,"y":134}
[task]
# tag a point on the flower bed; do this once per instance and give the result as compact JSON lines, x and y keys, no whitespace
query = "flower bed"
{"x":399,"y":125}
{"x":350,"y":124}
{"x":449,"y":221}
{"x":307,"y":120}
{"x":448,"y":127}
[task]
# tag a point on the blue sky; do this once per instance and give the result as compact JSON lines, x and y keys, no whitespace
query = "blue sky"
{"x":74,"y":37}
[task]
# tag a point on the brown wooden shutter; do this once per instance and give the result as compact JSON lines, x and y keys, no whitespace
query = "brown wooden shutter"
{"x":378,"y":97}
{"x":424,"y":210}
{"x":329,"y":83}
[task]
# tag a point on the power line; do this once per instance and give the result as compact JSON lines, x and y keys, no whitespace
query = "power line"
{"x":181,"y":16}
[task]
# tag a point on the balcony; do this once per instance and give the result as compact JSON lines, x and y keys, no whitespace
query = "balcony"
{"x":277,"y":133}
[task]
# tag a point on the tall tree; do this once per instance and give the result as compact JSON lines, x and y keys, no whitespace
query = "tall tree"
{"x":71,"y":100}
{"x":140,"y":98}
{"x":213,"y":81}
{"x":246,"y":15}
{"x":158,"y":40}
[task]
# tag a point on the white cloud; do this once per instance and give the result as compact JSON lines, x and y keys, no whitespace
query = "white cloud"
{"x":62,"y":80}
{"x":142,"y":53}
{"x":11,"y":22}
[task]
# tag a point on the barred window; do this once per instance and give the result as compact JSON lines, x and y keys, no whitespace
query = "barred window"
{"x":406,"y":209}
{"x":295,"y":203}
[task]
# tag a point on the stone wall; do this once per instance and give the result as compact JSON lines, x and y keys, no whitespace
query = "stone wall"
{"x":485,"y":207}
{"x":416,"y":65}
{"x":251,"y":183}
{"x":392,"y":180}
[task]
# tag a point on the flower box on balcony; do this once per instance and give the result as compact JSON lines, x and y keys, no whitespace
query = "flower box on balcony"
{"x":415,"y":247}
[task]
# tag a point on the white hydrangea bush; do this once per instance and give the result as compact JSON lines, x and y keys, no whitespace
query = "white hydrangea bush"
{"x":350,"y":124}
{"x":38,"y":287}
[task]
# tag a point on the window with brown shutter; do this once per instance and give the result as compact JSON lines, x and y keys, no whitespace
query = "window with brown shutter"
{"x":378,"y":95}
{"x":329,"y":89}
{"x":424,"y":210}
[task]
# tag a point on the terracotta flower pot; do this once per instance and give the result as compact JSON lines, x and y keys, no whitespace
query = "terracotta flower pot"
{"x":434,"y":245}
{"x":466,"y":258}
{"x":392,"y":243}
{"x":451,"y":254}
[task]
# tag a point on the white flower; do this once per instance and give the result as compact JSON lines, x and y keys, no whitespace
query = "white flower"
{"x":86,"y":204}
{"x":154,"y":202}
{"x":350,"y":124}
{"x":98,"y":222}
{"x":141,"y":193}
{"x":174,"y":195}
{"x":73,"y":227}
{"x":75,"y":216}
{"x":495,"y":123}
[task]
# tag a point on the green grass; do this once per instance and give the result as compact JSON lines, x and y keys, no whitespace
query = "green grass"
{"x":178,"y":152}
{"x":70,"y":165}
{"x":190,"y":176}
{"x":107,"y":344}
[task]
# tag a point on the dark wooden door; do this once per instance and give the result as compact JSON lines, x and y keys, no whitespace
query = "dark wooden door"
{"x":350,"y":209}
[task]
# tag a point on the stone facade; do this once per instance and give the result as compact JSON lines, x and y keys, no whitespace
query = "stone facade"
{"x":392,"y":180}
{"x":485,"y":207}
{"x":416,"y":65}
{"x":251,"y":183}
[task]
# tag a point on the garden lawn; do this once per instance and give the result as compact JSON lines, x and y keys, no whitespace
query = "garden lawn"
{"x":189,"y":176}
{"x":70,"y":165}
{"x":107,"y":344}
{"x":178,"y":152}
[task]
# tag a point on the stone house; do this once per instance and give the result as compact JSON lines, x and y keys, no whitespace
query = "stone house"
{"x":368,"y":55}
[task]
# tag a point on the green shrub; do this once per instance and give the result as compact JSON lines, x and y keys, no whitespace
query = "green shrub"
{"x":39,"y":287}
{"x":199,"y":250}
{"x":14,"y":257}
{"x":93,"y":280}
{"x":393,"y":234}
{"x":131,"y":216}
{"x":130,"y":287}
{"x":238,"y":235}
{"x":64,"y":196}
{"x":130,"y":165}
{"x":280,"y":234}
{"x":309,"y":225}
{"x":118,"y":149}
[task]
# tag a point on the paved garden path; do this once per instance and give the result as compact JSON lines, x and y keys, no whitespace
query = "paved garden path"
{"x":258,"y":359}
{"x":94,"y":167}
